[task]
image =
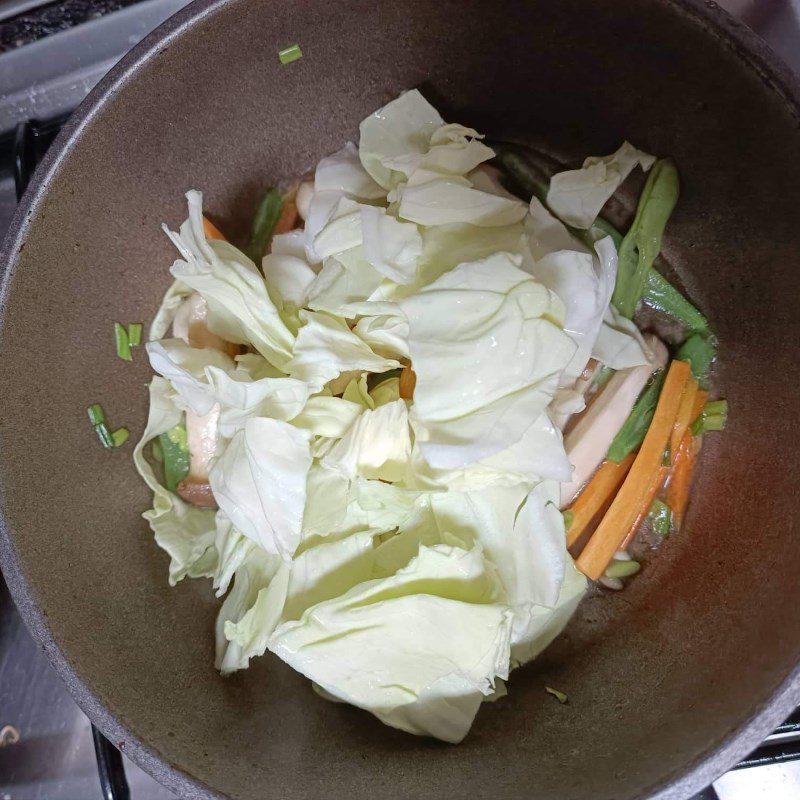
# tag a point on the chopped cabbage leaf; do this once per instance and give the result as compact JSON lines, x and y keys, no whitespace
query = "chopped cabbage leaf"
{"x":170,"y":303}
{"x":184,"y":532}
{"x":288,"y":278}
{"x":418,"y":648}
{"x":328,"y":416}
{"x":344,"y":279}
{"x":376,"y":446}
{"x":392,"y":247}
{"x":451,"y":200}
{"x":259,"y":481}
{"x":239,"y":306}
{"x":487,"y":348}
{"x":251,"y":611}
{"x":401,"y":128}
{"x":343,"y":172}
{"x":326,"y":347}
{"x":184,"y":367}
{"x":539,"y":454}
{"x":584,"y":283}
{"x":619,"y":343}
{"x":577,"y":195}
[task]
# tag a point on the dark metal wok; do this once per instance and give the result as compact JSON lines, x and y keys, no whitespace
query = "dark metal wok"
{"x":671,"y":681}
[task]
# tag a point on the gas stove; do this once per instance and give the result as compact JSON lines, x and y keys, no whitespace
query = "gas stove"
{"x":54,"y":54}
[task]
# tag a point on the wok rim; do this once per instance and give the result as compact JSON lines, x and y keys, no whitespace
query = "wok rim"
{"x":718,"y":758}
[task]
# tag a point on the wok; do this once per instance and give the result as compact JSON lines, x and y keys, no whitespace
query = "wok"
{"x":671,"y":681}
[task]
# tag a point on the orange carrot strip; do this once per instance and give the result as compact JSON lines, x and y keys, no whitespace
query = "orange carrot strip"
{"x":408,"y":382}
{"x":632,"y":497}
{"x":658,"y":482}
{"x":289,"y":217}
{"x":684,"y":417}
{"x":681,"y":480}
{"x":211,"y":230}
{"x":599,"y":491}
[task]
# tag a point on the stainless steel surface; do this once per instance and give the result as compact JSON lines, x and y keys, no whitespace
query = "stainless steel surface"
{"x":53,"y":75}
{"x":53,"y":757}
{"x":10,"y":8}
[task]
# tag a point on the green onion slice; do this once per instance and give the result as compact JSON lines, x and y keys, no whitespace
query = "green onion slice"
{"x":289,"y":54}
{"x":122,"y":342}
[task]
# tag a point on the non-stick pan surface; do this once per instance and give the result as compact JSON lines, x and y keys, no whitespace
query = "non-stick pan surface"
{"x":670,"y":681}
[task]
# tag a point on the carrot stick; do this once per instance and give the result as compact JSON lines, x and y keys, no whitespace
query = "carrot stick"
{"x":211,"y":230}
{"x":632,"y":497}
{"x":658,"y":482}
{"x":288,"y":219}
{"x":681,"y":480}
{"x":684,"y":459}
{"x":684,"y":417}
{"x":408,"y":382}
{"x":700,"y":400}
{"x":597,"y":493}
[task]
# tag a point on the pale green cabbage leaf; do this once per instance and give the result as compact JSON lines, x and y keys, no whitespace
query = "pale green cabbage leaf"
{"x":487,"y":346}
{"x":577,"y":195}
{"x":259,"y":481}
{"x":326,"y":347}
{"x":239,"y":306}
{"x":419,"y":648}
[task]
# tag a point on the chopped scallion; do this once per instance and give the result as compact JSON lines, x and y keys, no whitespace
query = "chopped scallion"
{"x":104,"y":435}
{"x":560,"y":696}
{"x":660,"y":516}
{"x":289,"y":54}
{"x":122,"y":342}
{"x":622,"y":569}
{"x":135,"y":334}
{"x":120,"y":436}
{"x":712,"y":418}
{"x":96,"y":414}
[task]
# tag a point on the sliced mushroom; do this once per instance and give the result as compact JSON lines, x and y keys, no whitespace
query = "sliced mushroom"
{"x":198,"y":494}
{"x":588,"y":441}
{"x":202,"y":438}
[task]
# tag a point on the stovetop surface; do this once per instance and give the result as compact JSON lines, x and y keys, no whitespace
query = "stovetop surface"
{"x":53,"y":56}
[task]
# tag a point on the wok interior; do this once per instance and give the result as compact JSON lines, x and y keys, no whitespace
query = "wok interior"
{"x":657,"y":676}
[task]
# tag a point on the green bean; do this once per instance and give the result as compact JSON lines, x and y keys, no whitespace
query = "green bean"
{"x":699,"y":351}
{"x":266,"y":218}
{"x":661,"y":295}
{"x":642,"y":243}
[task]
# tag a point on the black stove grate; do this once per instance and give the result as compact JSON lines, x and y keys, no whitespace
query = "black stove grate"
{"x":28,"y":145}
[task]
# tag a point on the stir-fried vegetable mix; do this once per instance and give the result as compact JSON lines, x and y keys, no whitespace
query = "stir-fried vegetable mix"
{"x":387,"y":425}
